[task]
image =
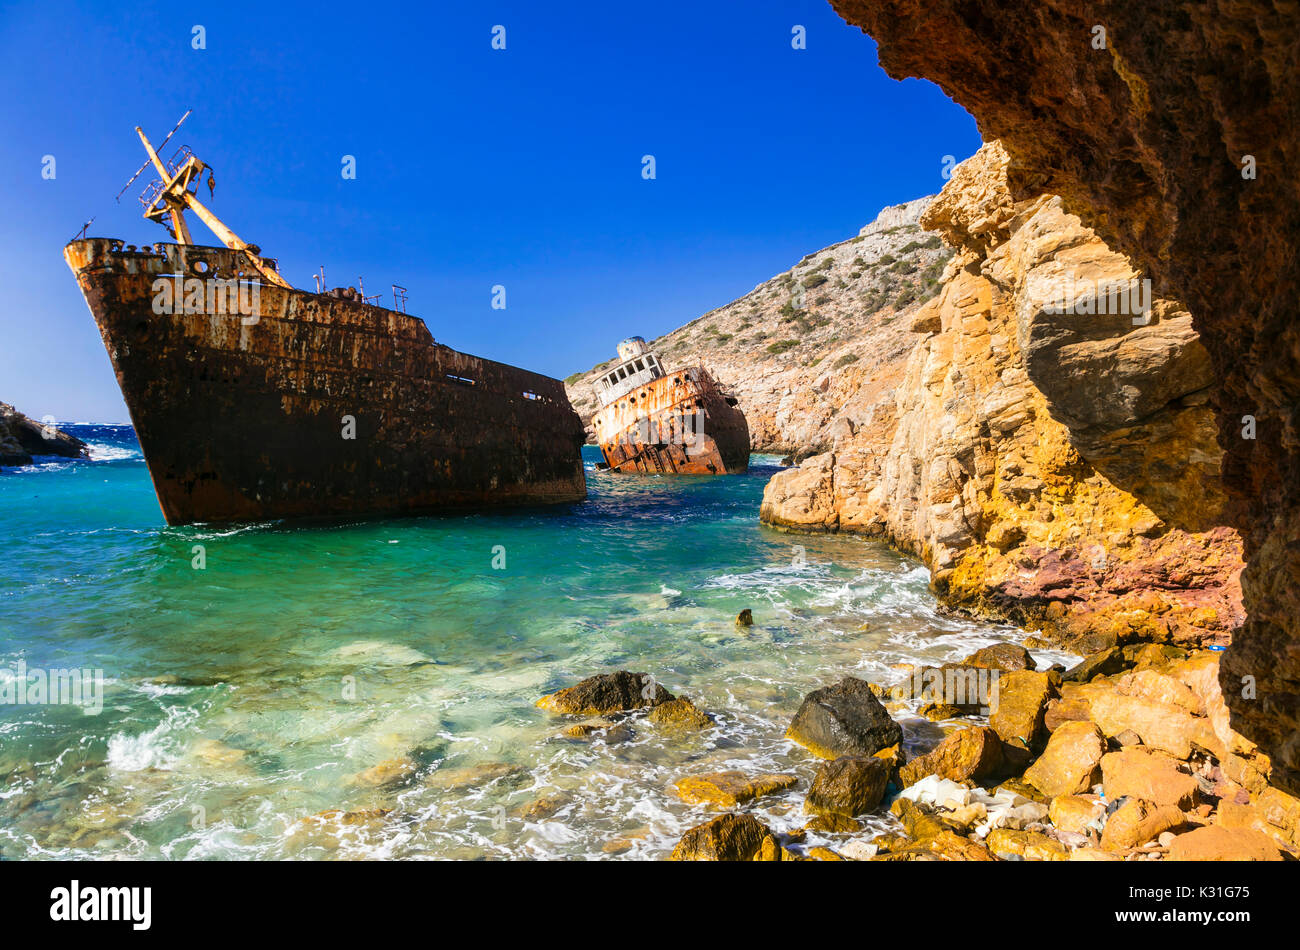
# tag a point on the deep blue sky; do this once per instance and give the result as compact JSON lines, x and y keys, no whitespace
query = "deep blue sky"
{"x":475,"y":167}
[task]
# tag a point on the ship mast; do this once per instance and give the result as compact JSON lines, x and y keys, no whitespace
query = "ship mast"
{"x":170,"y":197}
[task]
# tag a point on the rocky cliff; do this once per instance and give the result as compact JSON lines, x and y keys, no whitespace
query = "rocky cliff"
{"x":1171,"y":129}
{"x":21,"y":438}
{"x":1051,"y":463}
{"x":815,"y":347}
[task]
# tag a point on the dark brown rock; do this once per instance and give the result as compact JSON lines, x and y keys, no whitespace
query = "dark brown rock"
{"x":844,"y":719}
{"x":848,"y":786}
{"x":608,"y":693}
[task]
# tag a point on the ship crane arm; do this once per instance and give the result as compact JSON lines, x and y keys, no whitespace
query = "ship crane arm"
{"x":171,"y":197}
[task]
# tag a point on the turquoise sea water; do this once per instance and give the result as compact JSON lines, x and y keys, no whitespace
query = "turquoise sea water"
{"x":241,"y":698}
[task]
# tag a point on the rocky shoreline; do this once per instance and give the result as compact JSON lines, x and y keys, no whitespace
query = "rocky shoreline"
{"x":1128,"y":756}
{"x":22,"y":438}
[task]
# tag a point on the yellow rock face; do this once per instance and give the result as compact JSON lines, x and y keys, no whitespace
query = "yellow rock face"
{"x":1020,"y":436}
{"x":1071,"y":763}
{"x":729,"y":789}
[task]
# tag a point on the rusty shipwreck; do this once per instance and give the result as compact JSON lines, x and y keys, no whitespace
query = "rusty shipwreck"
{"x":654,"y":421}
{"x":254,"y":400}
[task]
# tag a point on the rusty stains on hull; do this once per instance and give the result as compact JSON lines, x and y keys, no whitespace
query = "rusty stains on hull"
{"x":315,"y":404}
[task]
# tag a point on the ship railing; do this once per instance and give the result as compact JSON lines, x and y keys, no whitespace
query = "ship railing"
{"x":152,"y":191}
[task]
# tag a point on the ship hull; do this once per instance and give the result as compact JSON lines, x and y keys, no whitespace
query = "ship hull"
{"x":315,"y":405}
{"x":678,"y":424}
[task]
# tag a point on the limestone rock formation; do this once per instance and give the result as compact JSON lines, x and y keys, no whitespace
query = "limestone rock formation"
{"x":1173,"y":132}
{"x":1051,"y":464}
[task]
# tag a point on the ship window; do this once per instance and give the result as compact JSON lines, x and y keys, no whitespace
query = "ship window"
{"x":639,"y":366}
{"x":528,"y":395}
{"x":463,"y":380}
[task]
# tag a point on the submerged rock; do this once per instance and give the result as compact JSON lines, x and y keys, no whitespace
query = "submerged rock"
{"x":611,"y":730}
{"x":832,"y":823}
{"x":475,"y":775}
{"x":543,"y":807}
{"x":387,"y":773}
{"x":607,"y":693}
{"x":844,"y":719}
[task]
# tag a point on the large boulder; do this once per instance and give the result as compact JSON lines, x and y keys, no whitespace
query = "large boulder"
{"x":608,"y":693}
{"x":849,"y":785}
{"x":1138,"y":772}
{"x":971,"y":754}
{"x":1102,"y":663}
{"x":1022,"y":699}
{"x":1071,"y":763}
{"x":844,"y":719}
{"x":728,"y":838}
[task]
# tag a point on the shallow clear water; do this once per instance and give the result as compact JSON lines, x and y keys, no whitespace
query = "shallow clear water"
{"x":243,"y":697}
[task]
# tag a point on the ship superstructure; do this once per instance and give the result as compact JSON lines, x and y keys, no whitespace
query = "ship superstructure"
{"x":655,"y":421}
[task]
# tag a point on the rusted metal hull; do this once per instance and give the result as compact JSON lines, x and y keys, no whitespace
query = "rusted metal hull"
{"x":316,"y":405}
{"x":679,"y":424}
